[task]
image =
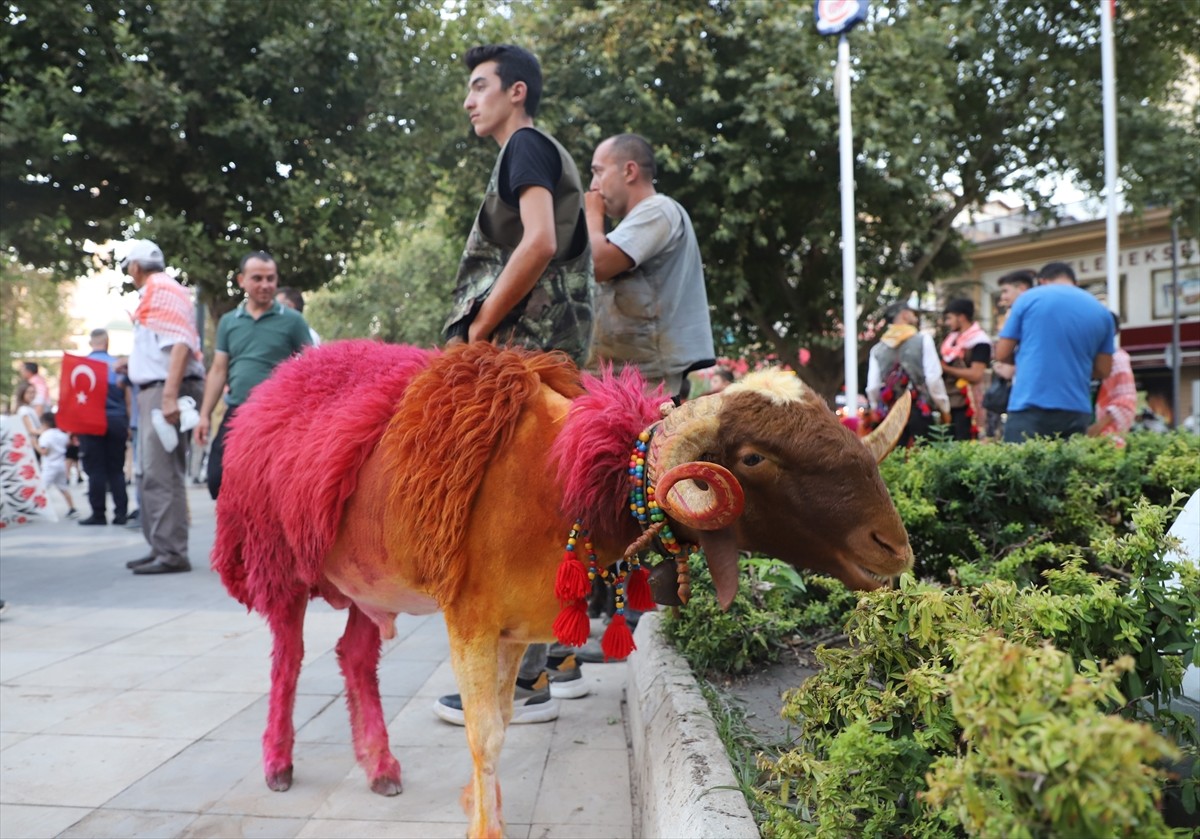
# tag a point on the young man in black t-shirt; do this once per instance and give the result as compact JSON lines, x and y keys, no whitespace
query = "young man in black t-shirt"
{"x":525,"y":278}
{"x":526,"y":275}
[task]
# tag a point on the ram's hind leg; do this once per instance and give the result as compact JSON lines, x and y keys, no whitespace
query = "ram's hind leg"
{"x":358,"y":655}
{"x":287,"y":629}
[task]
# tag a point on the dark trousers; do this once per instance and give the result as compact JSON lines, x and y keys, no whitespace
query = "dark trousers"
{"x":1038,"y":422}
{"x":919,"y":426}
{"x":104,"y":462}
{"x":960,"y":424}
{"x":216,"y":453}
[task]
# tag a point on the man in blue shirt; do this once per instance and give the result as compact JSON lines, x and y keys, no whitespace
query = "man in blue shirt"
{"x":104,"y":454}
{"x":1061,"y":338}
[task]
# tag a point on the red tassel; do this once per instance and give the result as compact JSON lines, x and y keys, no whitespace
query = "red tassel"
{"x":617,"y":642}
{"x":637,"y":591}
{"x":572,"y":581}
{"x":572,"y":625}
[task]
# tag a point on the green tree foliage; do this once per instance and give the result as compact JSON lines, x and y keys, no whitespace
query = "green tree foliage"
{"x":952,"y":101}
{"x":297,"y":126}
{"x":309,"y":127}
{"x":398,"y":292}
{"x":32,"y":316}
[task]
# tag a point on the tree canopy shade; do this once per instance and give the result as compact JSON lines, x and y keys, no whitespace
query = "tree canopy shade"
{"x":396,"y":292}
{"x":32,"y":314}
{"x":952,"y":101}
{"x":218,"y":127}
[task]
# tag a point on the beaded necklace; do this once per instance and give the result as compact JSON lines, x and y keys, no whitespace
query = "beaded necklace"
{"x":644,"y":507}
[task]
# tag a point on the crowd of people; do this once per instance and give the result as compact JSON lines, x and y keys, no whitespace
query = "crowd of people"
{"x":1054,"y":369}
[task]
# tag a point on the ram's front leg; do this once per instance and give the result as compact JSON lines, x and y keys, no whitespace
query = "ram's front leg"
{"x":481,"y":663}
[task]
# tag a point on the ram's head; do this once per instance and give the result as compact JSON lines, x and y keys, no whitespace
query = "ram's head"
{"x":766,"y":466}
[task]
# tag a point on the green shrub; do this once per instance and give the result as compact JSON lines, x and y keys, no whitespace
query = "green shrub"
{"x":977,"y":504}
{"x":1048,"y":549}
{"x":906,"y":677}
{"x":774,"y":602}
{"x":1040,"y":757}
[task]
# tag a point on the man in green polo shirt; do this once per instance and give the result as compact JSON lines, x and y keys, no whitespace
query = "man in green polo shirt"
{"x":251,"y":341}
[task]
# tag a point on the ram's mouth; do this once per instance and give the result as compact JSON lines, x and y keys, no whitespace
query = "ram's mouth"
{"x":884,"y":580}
{"x":869,"y":577}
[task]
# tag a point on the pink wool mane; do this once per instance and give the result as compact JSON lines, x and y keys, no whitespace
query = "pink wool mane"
{"x":591,"y":455}
{"x":292,"y":458}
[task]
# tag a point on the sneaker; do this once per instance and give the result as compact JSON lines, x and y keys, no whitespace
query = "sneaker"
{"x":566,"y":679}
{"x":72,"y":513}
{"x":592,"y":653}
{"x":531,"y":703}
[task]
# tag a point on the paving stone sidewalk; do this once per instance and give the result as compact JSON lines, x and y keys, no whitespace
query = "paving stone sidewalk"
{"x":133,"y":706}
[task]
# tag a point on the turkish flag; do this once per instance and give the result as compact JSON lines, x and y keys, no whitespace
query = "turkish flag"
{"x":81,"y":394}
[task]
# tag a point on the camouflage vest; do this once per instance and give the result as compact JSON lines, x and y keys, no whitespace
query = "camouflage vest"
{"x":557,"y":312}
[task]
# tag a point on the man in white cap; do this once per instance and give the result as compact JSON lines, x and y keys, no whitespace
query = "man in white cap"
{"x":165,"y":365}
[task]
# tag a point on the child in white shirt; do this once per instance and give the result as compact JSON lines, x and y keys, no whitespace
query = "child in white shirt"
{"x":52,"y":443}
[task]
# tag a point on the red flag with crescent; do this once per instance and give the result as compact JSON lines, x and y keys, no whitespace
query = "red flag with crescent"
{"x":82,"y":391}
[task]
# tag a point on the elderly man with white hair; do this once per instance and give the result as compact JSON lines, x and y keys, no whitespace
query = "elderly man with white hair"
{"x":165,"y":365}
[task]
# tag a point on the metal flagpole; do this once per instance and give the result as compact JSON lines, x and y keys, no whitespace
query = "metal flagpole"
{"x":837,"y":17}
{"x":1176,"y":349}
{"x":1108,"y":72}
{"x":849,"y":273}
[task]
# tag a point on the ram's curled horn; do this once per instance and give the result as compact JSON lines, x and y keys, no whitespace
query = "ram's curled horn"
{"x":717,"y":505}
{"x":882,"y":440}
{"x":684,"y":435}
{"x":682,"y":439}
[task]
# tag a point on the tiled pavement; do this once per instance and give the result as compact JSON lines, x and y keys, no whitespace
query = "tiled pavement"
{"x":133,"y":706}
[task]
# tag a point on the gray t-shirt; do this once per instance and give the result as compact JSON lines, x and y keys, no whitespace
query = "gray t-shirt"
{"x":655,"y":315}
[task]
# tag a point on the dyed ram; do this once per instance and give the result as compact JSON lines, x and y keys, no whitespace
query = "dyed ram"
{"x":384,"y":479}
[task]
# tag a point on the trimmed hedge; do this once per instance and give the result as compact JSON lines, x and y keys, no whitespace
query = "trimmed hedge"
{"x":1018,"y":684}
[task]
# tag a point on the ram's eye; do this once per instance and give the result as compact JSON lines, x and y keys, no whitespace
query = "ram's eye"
{"x":752,"y":459}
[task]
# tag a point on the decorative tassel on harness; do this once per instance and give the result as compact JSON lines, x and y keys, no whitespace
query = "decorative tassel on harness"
{"x":571,"y":587}
{"x":632,"y":584}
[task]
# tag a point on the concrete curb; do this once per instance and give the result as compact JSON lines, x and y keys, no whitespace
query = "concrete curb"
{"x":684,"y":785}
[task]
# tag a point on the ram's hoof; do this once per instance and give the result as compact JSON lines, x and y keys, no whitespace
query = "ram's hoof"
{"x":280,"y":781}
{"x":387,"y":786}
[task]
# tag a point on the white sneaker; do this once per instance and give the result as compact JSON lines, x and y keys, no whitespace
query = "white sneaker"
{"x":566,"y":679}
{"x":530,"y":705}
